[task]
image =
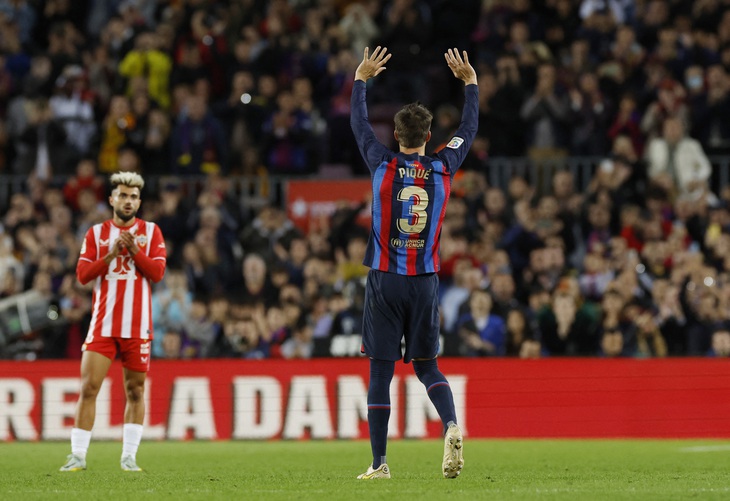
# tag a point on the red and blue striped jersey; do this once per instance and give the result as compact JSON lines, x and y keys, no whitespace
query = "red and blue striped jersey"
{"x":410,"y":192}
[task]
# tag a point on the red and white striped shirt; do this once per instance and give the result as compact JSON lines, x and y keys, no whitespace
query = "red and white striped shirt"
{"x":122,"y":300}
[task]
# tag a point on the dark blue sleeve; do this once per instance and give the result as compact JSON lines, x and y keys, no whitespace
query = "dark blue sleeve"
{"x":372,"y":151}
{"x":453,"y":154}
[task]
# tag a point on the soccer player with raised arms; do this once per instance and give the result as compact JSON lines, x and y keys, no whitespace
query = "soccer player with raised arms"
{"x":410,"y":193}
{"x":124,"y":256}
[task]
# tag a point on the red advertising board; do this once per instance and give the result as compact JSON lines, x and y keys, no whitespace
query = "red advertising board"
{"x":310,"y":203}
{"x":326,"y":398}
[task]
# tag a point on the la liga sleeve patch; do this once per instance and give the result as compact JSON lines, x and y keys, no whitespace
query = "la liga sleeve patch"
{"x":455,"y":142}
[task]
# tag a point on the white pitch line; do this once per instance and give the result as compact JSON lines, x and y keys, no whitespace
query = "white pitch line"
{"x":706,"y":448}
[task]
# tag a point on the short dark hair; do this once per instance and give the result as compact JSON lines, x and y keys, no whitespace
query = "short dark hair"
{"x":412,"y":123}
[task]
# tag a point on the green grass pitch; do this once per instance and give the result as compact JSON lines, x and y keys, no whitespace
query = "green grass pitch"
{"x":326,"y":470}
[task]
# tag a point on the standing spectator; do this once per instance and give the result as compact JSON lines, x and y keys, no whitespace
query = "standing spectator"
{"x":358,"y":27}
{"x":590,"y":112}
{"x":626,"y":122}
{"x":505,"y":127}
{"x":287,"y":137}
{"x":147,"y":62}
{"x":206,"y":38}
{"x":546,"y":113}
{"x":669,"y":103}
{"x":198,"y":144}
{"x":43,"y":144}
{"x":117,"y":124}
{"x":680,"y":160}
{"x":708,"y":113}
{"x":73,"y":106}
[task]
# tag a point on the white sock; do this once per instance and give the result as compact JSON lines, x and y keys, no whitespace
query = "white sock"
{"x":80,"y":442}
{"x":132,"y":437}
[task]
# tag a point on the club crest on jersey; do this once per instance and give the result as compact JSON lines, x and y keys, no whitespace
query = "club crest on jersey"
{"x":141,"y":240}
{"x":455,"y":142}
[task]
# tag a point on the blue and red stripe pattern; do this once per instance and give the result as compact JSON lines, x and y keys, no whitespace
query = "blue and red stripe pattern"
{"x":410,"y":191}
{"x":378,"y":406}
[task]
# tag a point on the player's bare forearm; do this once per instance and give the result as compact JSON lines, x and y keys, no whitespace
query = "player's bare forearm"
{"x":372,"y":66}
{"x":460,"y":67}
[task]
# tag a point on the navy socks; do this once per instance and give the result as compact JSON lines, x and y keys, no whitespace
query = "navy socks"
{"x":438,"y":389}
{"x":381,"y":373}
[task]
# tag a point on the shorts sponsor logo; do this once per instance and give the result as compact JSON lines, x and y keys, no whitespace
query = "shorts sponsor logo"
{"x":455,"y":142}
{"x":144,"y":348}
{"x":402,"y":243}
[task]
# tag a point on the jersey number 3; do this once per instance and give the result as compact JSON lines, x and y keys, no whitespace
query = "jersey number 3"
{"x":417,"y":198}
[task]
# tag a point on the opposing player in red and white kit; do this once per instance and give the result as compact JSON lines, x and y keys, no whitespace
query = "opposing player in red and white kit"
{"x":124,"y":256}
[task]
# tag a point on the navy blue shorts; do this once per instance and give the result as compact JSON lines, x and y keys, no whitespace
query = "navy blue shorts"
{"x":397,"y":307}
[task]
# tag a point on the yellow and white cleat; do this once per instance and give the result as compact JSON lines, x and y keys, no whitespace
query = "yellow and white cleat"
{"x":453,"y":452}
{"x":382,"y":472}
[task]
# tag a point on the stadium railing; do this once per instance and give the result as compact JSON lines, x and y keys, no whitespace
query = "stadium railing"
{"x":254,"y":192}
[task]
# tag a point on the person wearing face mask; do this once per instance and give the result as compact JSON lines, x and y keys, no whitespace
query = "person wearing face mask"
{"x":710,"y":109}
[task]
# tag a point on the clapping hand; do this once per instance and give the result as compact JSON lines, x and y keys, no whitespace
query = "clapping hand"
{"x":128,"y":241}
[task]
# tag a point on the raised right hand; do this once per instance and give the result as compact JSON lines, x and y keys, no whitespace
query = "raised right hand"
{"x":460,"y":66}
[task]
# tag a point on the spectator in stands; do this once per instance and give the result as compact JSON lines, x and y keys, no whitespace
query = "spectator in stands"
{"x":198,"y":144}
{"x":497,"y":120}
{"x":617,"y":335}
{"x":205,"y":38}
{"x":171,"y":344}
{"x":270,"y":226}
{"x":86,"y":178}
{"x":482,"y":333}
{"x":679,"y":161}
{"x":288,"y":134}
{"x":710,"y":108}
{"x":256,"y":285}
{"x":148,"y":63}
{"x":117,"y":124}
{"x":566,"y":328}
{"x":659,"y":64}
{"x":466,"y":279}
{"x":73,"y":106}
{"x":590,"y":115}
{"x":720,"y":342}
{"x":545,"y":112}
{"x":669,"y":103}
{"x":170,"y":305}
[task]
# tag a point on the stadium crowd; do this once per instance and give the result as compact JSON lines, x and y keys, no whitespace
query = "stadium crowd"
{"x":636,"y":265}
